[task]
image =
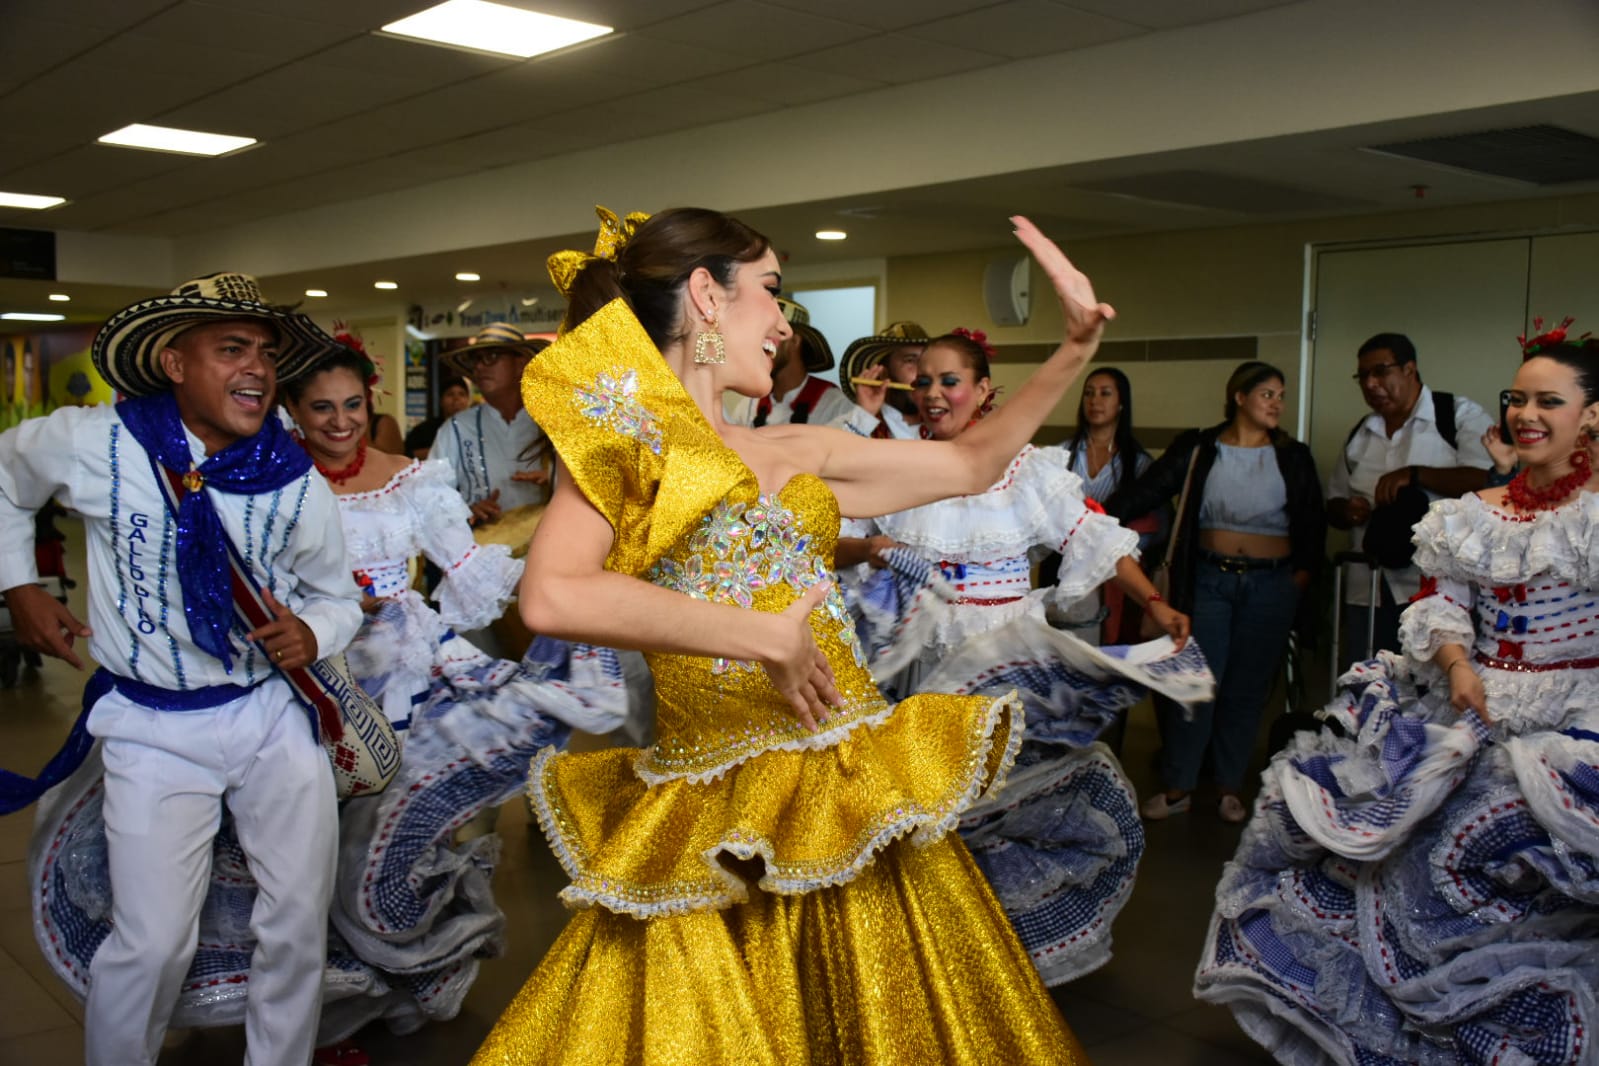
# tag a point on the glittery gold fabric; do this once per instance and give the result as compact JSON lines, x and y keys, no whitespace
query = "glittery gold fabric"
{"x":751,"y":892}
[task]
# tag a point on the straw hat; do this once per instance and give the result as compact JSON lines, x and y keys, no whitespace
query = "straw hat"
{"x":815,"y":352}
{"x":127,"y":350}
{"x":494,"y":337}
{"x":867,"y":352}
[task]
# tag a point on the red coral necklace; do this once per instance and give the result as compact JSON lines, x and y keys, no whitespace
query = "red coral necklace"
{"x":342,"y":474}
{"x":1524,"y":497}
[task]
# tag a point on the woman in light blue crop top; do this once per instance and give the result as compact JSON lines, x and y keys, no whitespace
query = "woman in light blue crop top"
{"x":1248,"y":542}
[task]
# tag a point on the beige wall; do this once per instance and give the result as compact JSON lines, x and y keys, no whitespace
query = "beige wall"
{"x":1245,"y":280}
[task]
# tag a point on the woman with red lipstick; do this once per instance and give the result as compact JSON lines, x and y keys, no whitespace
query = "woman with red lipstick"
{"x":1419,"y":885}
{"x":974,"y":623}
{"x":1249,"y":540}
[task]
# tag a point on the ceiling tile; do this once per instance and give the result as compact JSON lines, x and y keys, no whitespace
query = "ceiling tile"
{"x":883,"y":14}
{"x":787,"y":84}
{"x":354,"y":14}
{"x":197,"y":25}
{"x":1022,"y":28}
{"x":621,"y":15}
{"x":87,"y":15}
{"x":30,"y":46}
{"x":90,"y":168}
{"x":898,"y":59}
{"x":682,"y":106}
{"x":519,"y":143}
{"x":397,"y":59}
{"x":1164,"y":14}
{"x":757,"y":30}
{"x":643,"y":59}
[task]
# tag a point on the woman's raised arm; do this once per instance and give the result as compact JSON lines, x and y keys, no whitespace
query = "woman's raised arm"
{"x":873,"y":477}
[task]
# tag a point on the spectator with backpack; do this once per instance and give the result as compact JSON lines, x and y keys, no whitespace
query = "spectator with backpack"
{"x":1417,"y":445}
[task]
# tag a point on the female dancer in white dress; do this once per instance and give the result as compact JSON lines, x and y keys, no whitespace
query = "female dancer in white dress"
{"x":413,"y":909}
{"x":955,"y":611}
{"x":1420,"y":884}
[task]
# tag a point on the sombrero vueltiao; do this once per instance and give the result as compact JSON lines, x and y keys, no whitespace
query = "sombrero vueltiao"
{"x":127,"y":350}
{"x":867,"y":352}
{"x":494,"y":337}
{"x":816,"y":353}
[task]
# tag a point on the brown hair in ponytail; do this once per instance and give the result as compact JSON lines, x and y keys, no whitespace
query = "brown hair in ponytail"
{"x":649,"y":271}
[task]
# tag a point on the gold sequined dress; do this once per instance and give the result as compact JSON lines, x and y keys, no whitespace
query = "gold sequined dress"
{"x":749,"y":893}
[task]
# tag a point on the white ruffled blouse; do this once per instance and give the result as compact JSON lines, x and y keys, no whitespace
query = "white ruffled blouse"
{"x":985,"y":545}
{"x":1520,"y":592}
{"x":419,"y":512}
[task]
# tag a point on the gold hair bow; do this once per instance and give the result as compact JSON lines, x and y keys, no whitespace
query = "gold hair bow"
{"x":614,"y":233}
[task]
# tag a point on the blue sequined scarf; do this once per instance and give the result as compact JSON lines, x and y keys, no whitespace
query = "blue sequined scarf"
{"x":262,"y":463}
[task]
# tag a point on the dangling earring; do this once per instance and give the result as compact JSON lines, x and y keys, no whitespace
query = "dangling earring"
{"x":709,"y":349}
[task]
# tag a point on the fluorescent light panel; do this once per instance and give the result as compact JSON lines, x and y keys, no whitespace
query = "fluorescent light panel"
{"x":467,"y":275}
{"x":830,"y":235}
{"x":497,"y":28}
{"x":30,"y":201}
{"x":385,"y":285}
{"x":169,"y":139}
{"x":59,"y":297}
{"x":29,"y":316}
{"x":316,"y":292}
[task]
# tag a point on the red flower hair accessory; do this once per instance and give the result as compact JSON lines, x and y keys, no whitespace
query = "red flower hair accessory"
{"x":342,"y":334}
{"x":976,"y":336}
{"x":1540,"y":341}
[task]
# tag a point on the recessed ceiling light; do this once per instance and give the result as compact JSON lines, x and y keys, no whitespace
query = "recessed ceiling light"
{"x":29,"y":316}
{"x":59,"y":297}
{"x":168,"y":139}
{"x":30,"y":201}
{"x":316,"y":292}
{"x":497,"y":28}
{"x":385,"y":285}
{"x":830,"y":235}
{"x":467,"y":275}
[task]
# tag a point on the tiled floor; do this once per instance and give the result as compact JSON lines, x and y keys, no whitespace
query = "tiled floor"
{"x":1137,"y":1010}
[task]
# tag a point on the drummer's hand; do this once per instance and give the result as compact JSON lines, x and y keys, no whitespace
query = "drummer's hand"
{"x":1466,"y":692}
{"x":1171,"y":620}
{"x":486,"y":510}
{"x":532,"y":477}
{"x":870,"y":398}
{"x":1084,"y":315}
{"x":798,"y":668}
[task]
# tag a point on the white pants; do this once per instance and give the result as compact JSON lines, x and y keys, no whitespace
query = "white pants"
{"x":167,"y":774}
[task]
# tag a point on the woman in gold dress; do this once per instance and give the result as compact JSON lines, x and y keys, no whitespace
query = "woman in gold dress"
{"x":774,"y":881}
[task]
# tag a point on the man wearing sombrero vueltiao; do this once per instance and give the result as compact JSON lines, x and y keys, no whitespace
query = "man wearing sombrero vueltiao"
{"x":187,"y":705}
{"x":493,"y":446}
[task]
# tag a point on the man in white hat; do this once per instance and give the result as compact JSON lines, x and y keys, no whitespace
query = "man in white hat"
{"x":876,"y":372}
{"x":797,"y":395}
{"x":190,"y":704}
{"x":495,"y":447}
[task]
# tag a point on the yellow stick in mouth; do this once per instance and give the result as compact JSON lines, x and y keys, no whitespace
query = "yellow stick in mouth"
{"x":883,"y":384}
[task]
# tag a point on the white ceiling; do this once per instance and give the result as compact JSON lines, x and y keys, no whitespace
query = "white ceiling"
{"x":345,"y":115}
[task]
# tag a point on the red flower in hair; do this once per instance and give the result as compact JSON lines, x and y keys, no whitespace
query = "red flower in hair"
{"x":1540,"y":341}
{"x":976,"y":336}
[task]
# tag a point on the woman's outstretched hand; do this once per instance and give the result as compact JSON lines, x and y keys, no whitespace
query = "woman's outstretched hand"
{"x":1174,"y":623}
{"x":798,"y":668}
{"x":1084,"y":315}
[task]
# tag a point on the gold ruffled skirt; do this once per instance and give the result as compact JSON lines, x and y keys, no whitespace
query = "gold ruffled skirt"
{"x":911,"y":962}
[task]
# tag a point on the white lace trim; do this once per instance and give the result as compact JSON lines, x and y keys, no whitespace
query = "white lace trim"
{"x":923,"y":827}
{"x":824,"y":738}
{"x":1468,"y":540}
{"x":1429,"y":624}
{"x":477,"y":591}
{"x":1037,"y":496}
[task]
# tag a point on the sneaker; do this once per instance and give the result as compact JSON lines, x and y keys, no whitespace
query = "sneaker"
{"x":1232,"y":809}
{"x":1159,"y":806}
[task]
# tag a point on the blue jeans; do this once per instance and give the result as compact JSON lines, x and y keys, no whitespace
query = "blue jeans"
{"x":1241,"y":620}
